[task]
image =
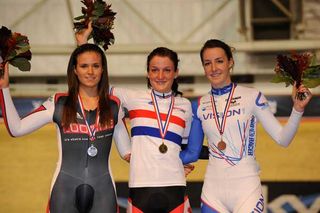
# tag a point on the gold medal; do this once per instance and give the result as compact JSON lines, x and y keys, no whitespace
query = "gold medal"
{"x":163,"y":148}
{"x":222,"y":145}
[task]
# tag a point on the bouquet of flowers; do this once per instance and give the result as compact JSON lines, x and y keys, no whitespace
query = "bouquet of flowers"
{"x":15,"y":49}
{"x":102,"y":21}
{"x":299,"y":68}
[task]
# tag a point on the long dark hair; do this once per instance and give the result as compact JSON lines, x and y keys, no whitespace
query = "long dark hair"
{"x":213,"y":43}
{"x":173,"y":56}
{"x":70,"y":107}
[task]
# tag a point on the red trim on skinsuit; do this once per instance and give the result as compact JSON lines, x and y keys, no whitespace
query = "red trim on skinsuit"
{"x":178,"y":209}
{"x":150,"y":114}
{"x":133,"y":208}
{"x":58,"y":95}
{"x":39,"y":109}
{"x":186,"y":199}
{"x":4,"y":112}
{"x":115,"y":98}
{"x":136,"y":210}
{"x":48,"y":207}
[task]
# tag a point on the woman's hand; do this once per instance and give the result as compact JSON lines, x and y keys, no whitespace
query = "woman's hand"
{"x":188,"y":168}
{"x":127,"y":157}
{"x":4,"y":80}
{"x":298,"y":104}
{"x":83,"y":35}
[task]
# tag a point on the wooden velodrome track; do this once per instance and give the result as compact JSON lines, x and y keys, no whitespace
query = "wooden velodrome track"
{"x":27,"y":164}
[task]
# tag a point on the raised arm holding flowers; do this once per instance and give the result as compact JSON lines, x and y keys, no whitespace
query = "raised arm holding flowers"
{"x":101,"y":18}
{"x":301,"y":71}
{"x":15,"y":49}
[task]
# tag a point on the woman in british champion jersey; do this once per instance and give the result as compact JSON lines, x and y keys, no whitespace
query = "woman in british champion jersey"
{"x":227,"y":116}
{"x":160,"y":120}
{"x":86,"y":120}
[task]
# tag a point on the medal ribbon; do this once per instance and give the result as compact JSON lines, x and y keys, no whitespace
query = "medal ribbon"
{"x":162,"y":128}
{"x":221,"y":126}
{"x":92,"y":133}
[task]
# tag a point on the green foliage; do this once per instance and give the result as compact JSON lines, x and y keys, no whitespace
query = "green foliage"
{"x":22,"y":63}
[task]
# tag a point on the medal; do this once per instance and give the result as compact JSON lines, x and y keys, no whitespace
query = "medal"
{"x":92,"y":151}
{"x":163,"y":128}
{"x":163,"y":148}
{"x":221,"y":145}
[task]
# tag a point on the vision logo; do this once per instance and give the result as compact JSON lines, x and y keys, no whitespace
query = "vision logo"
{"x":233,"y":112}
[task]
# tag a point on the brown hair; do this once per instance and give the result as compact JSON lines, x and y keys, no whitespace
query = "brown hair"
{"x":70,"y":107}
{"x":166,"y":52}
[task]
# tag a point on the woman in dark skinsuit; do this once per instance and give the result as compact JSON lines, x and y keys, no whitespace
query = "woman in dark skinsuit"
{"x":86,"y":119}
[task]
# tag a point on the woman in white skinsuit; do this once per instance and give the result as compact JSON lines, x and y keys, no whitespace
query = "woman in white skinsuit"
{"x":228,"y":115}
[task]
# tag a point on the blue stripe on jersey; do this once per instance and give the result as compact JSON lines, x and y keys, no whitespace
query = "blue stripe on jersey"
{"x":154,"y":132}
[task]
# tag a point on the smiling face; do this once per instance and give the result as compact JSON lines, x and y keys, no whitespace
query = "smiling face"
{"x":217,"y":67}
{"x":161,"y":73}
{"x":88,"y":70}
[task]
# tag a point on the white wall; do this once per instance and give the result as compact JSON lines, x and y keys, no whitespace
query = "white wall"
{"x":141,"y":25}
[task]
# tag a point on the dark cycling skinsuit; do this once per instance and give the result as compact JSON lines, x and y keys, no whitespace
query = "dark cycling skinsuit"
{"x":75,"y":167}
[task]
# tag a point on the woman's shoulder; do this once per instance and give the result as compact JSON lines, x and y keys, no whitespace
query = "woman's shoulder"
{"x":58,"y":97}
{"x":114,"y":90}
{"x":246,"y":90}
{"x":182,"y":99}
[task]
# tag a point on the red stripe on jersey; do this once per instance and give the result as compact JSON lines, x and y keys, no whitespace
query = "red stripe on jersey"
{"x":150,"y":114}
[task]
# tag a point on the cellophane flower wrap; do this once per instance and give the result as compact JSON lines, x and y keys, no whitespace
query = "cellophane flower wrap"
{"x":299,"y":68}
{"x":102,"y":21}
{"x":15,"y":49}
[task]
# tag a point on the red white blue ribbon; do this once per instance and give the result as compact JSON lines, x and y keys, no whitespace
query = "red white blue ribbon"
{"x":163,"y":128}
{"x":221,"y":126}
{"x":92,"y":132}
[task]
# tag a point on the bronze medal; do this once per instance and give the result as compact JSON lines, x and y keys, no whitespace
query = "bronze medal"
{"x":163,"y":148}
{"x":222,"y":145}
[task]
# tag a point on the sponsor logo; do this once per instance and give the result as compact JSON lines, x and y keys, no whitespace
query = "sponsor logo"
{"x":76,"y":128}
{"x":252,"y":136}
{"x":259,"y":205}
{"x":264,"y":104}
{"x":233,"y":112}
